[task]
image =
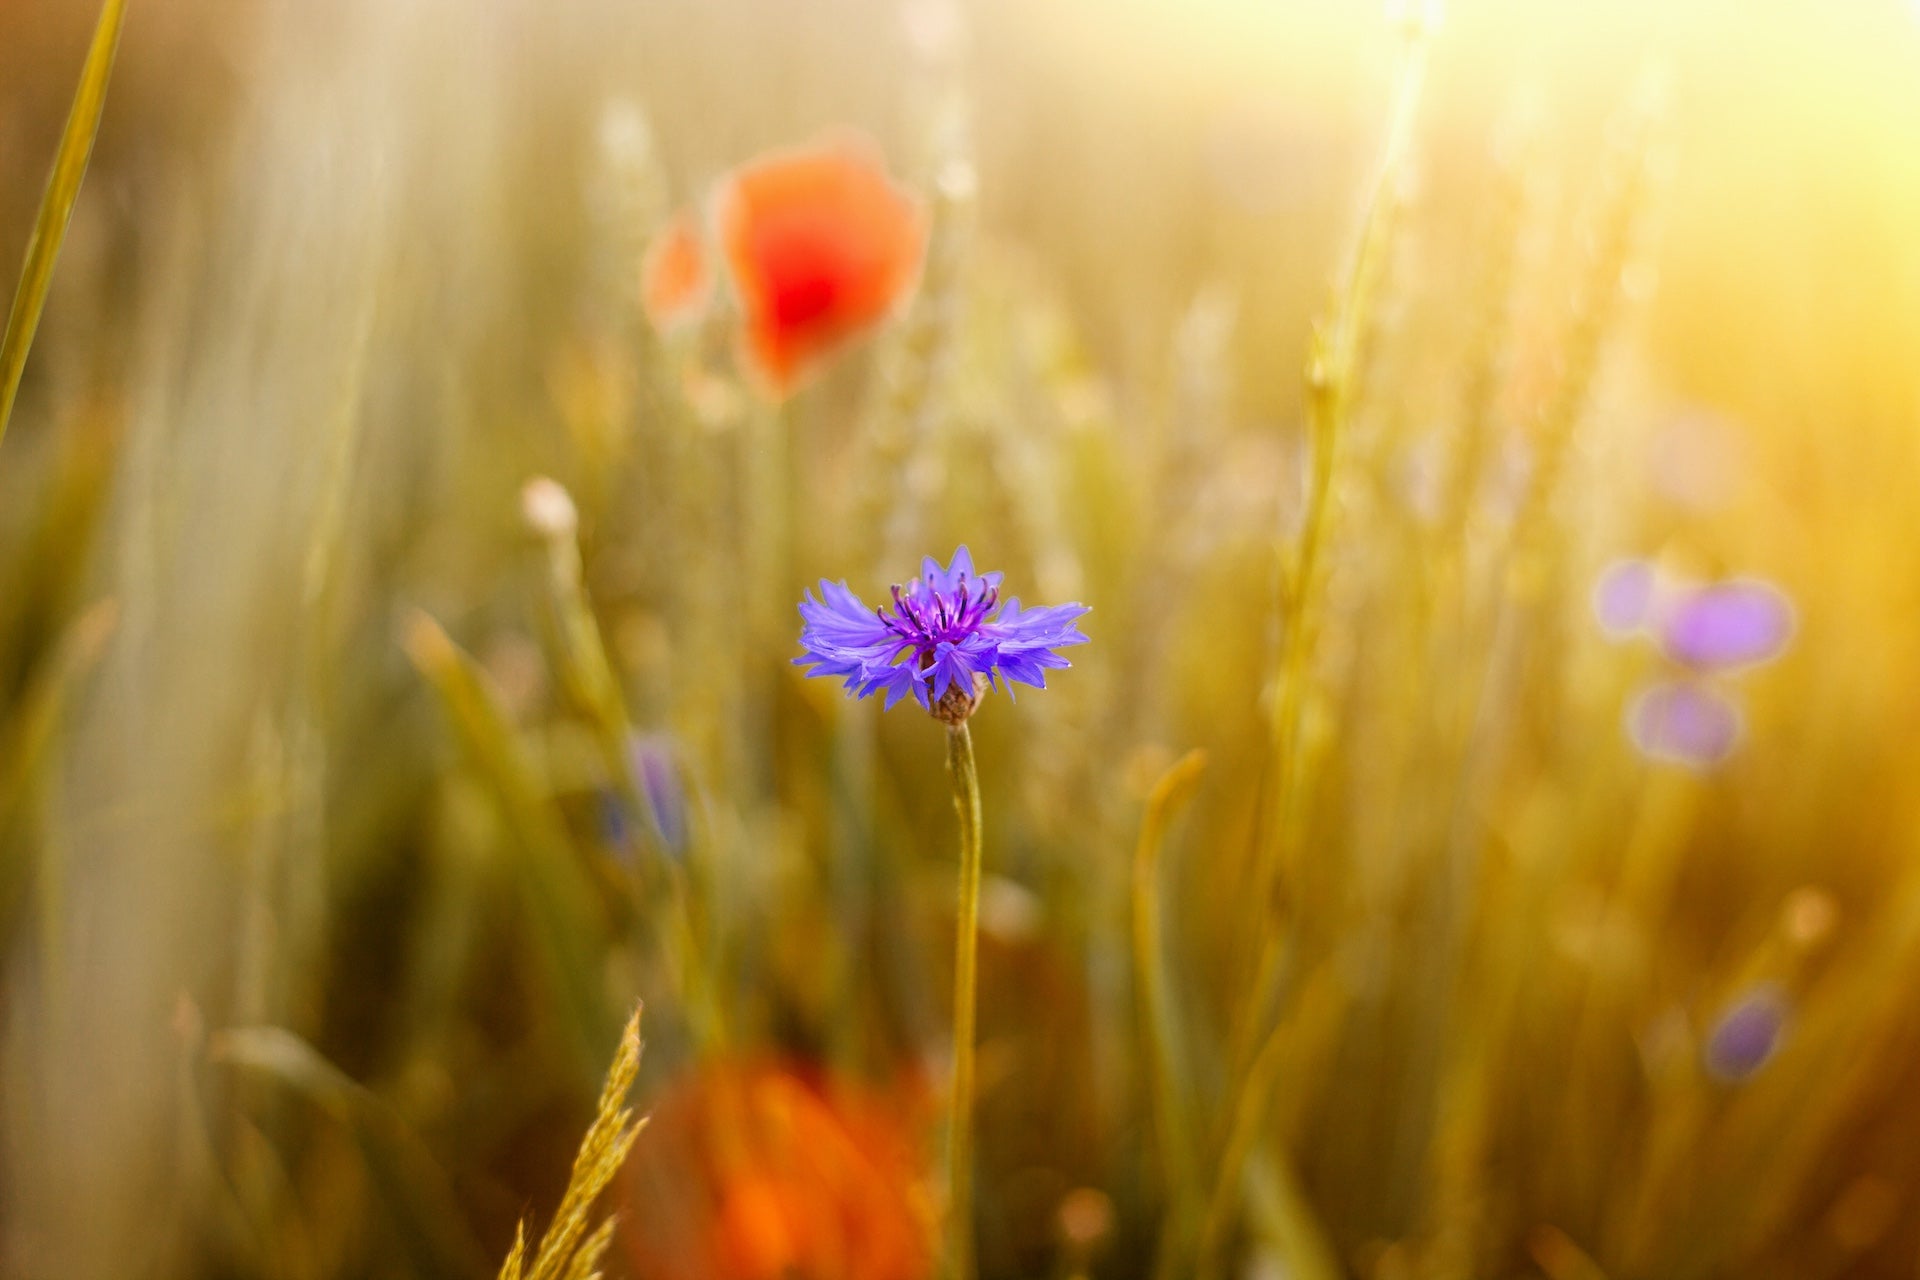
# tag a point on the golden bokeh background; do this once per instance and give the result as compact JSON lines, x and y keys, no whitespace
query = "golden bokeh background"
{"x":326,"y":872}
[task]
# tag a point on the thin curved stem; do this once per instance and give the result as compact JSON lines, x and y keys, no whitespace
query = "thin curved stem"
{"x":1334,"y":369}
{"x":56,"y":205}
{"x":966,"y":802}
{"x":1249,"y":1119}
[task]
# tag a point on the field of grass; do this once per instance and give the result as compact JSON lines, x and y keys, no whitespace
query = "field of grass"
{"x":1477,"y":840}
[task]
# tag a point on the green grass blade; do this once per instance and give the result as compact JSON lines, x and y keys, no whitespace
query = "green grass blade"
{"x":1158,"y":1020}
{"x":413,"y":1188}
{"x":560,"y":897}
{"x":28,"y":732}
{"x":56,"y":206}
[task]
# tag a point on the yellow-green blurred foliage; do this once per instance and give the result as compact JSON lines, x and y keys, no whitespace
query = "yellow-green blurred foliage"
{"x":327,"y":874}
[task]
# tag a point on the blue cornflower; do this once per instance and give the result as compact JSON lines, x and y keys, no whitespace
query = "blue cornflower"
{"x":947,"y":638}
{"x":1747,"y":1032}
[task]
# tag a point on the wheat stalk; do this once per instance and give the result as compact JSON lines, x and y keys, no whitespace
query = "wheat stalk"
{"x":574,"y":1243}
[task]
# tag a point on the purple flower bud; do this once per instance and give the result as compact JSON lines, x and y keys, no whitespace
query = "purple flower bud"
{"x":1623,"y":597}
{"x":1682,"y":722}
{"x":657,"y":773}
{"x":1729,"y":624}
{"x":1746,"y":1033}
{"x":610,"y":820}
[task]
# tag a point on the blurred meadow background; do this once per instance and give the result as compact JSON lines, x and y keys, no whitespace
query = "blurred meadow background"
{"x":1427,"y":872}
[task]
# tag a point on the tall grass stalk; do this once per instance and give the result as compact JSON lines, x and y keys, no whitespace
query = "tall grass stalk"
{"x":1171,"y":1102}
{"x":574,"y":1244}
{"x":579,"y":655}
{"x":563,"y":913}
{"x":56,"y":206}
{"x":27,"y":739}
{"x":411,"y":1186}
{"x":1334,"y":367}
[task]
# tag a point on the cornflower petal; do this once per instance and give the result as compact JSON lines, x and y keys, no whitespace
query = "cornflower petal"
{"x":1747,"y":1033}
{"x":945,"y":630}
{"x":1735,"y":623}
{"x":1683,"y":722}
{"x":1624,"y":597}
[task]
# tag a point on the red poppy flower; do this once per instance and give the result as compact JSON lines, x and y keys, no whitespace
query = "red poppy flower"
{"x":675,"y":281}
{"x":821,"y":245}
{"x":754,"y":1172}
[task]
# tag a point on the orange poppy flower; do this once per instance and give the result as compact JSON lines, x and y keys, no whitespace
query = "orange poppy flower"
{"x":675,"y":281}
{"x":821,"y":246}
{"x":753,"y":1172}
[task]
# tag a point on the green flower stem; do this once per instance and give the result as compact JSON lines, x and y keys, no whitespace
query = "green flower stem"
{"x":966,"y":801}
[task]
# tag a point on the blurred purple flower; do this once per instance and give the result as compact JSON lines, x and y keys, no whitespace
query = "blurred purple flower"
{"x":610,"y":820}
{"x":947,"y":631}
{"x":651,"y":758}
{"x":1623,"y":596}
{"x":1747,"y":1033}
{"x":1683,"y":722}
{"x":1735,"y":623}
